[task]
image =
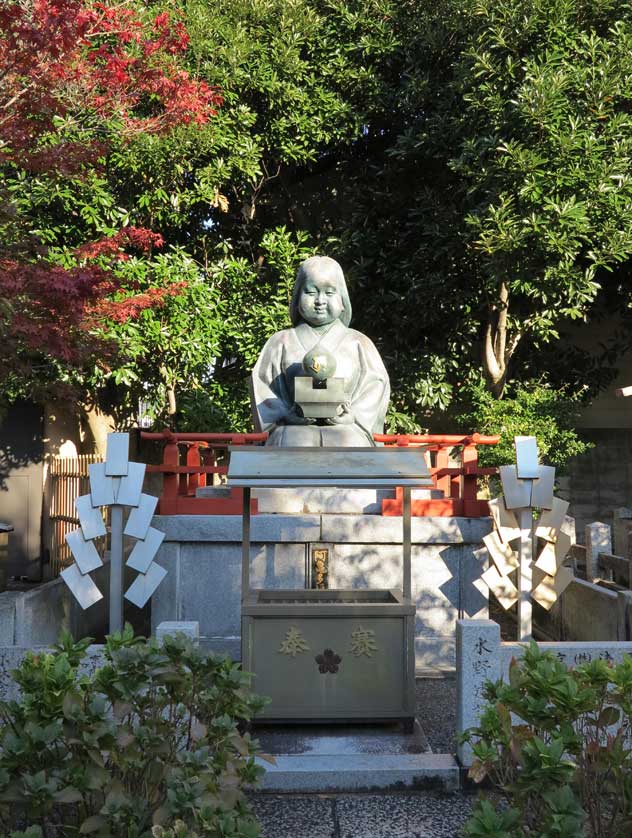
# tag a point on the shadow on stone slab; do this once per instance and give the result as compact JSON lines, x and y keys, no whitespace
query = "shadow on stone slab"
{"x":334,"y":740}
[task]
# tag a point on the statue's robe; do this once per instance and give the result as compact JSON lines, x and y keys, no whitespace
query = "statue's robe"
{"x":367,"y":388}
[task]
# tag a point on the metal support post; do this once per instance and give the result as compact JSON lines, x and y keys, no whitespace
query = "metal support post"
{"x":406,"y":524}
{"x":525,"y":573}
{"x":116,"y":568}
{"x":245,"y":556}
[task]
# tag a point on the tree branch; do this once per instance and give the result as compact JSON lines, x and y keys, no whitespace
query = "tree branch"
{"x":500,"y":341}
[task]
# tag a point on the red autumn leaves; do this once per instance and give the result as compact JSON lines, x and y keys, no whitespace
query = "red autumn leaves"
{"x":73,"y":75}
{"x":85,"y":62}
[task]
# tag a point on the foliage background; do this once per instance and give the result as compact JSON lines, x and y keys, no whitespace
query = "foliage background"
{"x":467,"y":162}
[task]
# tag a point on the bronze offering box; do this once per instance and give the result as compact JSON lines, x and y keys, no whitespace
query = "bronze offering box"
{"x":330,"y":655}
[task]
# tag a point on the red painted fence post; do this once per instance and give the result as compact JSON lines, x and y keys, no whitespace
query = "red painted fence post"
{"x":169,"y":498}
{"x":469,"y":479}
{"x":193,"y":459}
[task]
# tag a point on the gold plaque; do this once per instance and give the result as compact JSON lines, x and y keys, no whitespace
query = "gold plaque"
{"x":320,"y":567}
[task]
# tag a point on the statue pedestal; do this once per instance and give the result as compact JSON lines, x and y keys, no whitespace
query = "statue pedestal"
{"x":312,"y":501}
{"x":330,"y":501}
{"x":319,"y":501}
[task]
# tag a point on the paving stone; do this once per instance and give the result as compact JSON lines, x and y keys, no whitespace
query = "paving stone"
{"x":293,"y":816}
{"x":422,"y":815}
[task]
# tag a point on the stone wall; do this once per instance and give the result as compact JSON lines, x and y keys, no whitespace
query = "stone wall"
{"x":601,"y":480}
{"x":12,"y":656}
{"x":202,"y":555}
{"x":482,"y":657}
{"x":37,"y":617}
{"x":586,"y":611}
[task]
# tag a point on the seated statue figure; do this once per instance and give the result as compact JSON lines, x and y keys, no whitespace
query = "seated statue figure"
{"x":320,"y":312}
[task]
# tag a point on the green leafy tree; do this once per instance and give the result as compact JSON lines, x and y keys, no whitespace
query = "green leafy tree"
{"x":467,"y":163}
{"x":238,"y":201}
{"x":79,"y":79}
{"x":254,"y":191}
{"x":530,"y":408}
{"x":502,"y":197}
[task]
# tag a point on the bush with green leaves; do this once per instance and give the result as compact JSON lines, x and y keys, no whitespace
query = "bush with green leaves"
{"x":531,"y":409}
{"x":555,"y":744}
{"x":148,"y":745}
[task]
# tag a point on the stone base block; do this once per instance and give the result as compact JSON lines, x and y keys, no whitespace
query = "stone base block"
{"x":212,"y":492}
{"x":317,"y":501}
{"x":360,"y":772}
{"x":171,"y":628}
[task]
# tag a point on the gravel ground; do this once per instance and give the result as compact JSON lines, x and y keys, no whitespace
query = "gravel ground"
{"x":436,"y":711}
{"x":406,"y":815}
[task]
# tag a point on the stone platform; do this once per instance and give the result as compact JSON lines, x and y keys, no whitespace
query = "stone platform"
{"x":202,"y":554}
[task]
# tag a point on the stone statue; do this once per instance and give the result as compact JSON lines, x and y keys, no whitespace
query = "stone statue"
{"x":320,"y":351}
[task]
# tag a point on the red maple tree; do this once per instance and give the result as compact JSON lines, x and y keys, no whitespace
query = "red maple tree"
{"x":71,"y":72}
{"x":92,"y":61}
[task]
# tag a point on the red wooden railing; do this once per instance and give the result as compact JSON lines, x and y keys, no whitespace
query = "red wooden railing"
{"x":188,"y":459}
{"x":459,"y":484}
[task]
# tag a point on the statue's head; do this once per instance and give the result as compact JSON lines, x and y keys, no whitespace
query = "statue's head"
{"x":320,"y":293}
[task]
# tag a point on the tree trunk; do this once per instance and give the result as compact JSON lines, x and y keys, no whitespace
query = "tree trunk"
{"x":171,"y":401}
{"x":100,"y":425}
{"x":170,"y":391}
{"x":499,"y":346}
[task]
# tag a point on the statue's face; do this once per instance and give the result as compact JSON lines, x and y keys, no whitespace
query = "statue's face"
{"x":320,"y":302}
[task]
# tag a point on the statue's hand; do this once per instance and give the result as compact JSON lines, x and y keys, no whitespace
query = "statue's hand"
{"x":343,"y":415}
{"x":295,"y":417}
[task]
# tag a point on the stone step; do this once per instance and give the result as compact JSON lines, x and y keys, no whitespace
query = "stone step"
{"x":320,"y":773}
{"x":352,"y":757}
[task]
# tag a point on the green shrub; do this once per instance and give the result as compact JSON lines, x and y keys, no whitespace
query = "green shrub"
{"x":555,"y":744}
{"x":531,"y":409}
{"x":148,"y":745}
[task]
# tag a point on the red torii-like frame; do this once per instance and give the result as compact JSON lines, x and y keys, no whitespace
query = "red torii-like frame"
{"x":458,"y":483}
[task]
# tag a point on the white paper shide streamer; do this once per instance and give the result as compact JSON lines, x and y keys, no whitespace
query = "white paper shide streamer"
{"x":517,"y":573}
{"x":116,"y":483}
